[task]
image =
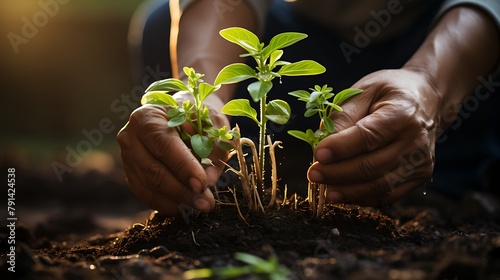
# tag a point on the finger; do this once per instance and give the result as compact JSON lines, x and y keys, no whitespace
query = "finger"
{"x":192,"y":201}
{"x":149,"y":180}
{"x":358,"y":169}
{"x":370,"y":133}
{"x":390,"y":187}
{"x":166,"y":195}
{"x":165,"y":144}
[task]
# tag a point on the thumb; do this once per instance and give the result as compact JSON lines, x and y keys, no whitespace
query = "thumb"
{"x":354,"y":110}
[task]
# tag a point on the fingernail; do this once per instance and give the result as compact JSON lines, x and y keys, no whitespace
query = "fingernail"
{"x":335,"y":197}
{"x":195,"y":184}
{"x":324,"y":155}
{"x":201,"y":204}
{"x":315,"y":176}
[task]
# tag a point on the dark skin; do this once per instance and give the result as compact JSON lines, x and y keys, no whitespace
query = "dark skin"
{"x":384,"y":144}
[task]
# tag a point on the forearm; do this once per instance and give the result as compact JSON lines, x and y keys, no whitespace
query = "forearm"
{"x":463,"y":45}
{"x":200,"y":46}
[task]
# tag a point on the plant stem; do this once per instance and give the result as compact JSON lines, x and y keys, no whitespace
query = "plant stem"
{"x":321,"y":199}
{"x":311,"y":197}
{"x":262,"y":141}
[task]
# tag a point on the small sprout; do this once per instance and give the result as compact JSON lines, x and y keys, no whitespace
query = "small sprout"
{"x":270,"y":269}
{"x":193,"y":112}
{"x":319,"y":101}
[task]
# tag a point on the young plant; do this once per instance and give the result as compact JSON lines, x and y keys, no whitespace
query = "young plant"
{"x":270,"y":269}
{"x":194,"y":112}
{"x":268,"y":67}
{"x":319,"y":101}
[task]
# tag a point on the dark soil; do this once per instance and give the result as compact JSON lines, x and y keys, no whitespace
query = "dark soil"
{"x":346,"y":243}
{"x":422,"y":237}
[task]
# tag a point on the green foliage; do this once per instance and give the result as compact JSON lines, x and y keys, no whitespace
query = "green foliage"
{"x":319,"y":101}
{"x":269,"y":66}
{"x":240,"y":107}
{"x":270,"y":269}
{"x":267,"y":59}
{"x":194,"y":112}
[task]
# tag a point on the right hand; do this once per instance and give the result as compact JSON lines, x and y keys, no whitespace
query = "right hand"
{"x":160,"y":168}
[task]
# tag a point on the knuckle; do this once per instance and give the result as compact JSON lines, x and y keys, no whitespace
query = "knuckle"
{"x":370,"y":139}
{"x":155,"y":175}
{"x":160,"y":142}
{"x":137,"y":116}
{"x":123,"y":138}
{"x":366,"y":168}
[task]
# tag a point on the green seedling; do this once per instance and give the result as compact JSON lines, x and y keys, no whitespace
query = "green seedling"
{"x":193,"y":112}
{"x":266,"y":269}
{"x":268,"y":67}
{"x":319,"y":101}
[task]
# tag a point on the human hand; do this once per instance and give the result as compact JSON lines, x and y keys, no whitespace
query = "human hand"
{"x":384,"y":142}
{"x":160,"y":168}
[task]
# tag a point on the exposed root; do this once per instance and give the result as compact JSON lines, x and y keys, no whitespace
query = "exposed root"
{"x":238,"y":206}
{"x":283,"y":203}
{"x":274,"y":172}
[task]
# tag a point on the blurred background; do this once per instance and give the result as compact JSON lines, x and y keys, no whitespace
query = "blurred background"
{"x":67,"y":84}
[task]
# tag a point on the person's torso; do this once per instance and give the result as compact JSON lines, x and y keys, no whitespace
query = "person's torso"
{"x":343,"y":16}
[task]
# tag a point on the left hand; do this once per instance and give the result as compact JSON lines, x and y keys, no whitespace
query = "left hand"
{"x":383,"y":145}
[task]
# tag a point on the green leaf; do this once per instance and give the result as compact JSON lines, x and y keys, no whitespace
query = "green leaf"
{"x":310,"y":112}
{"x":299,"y":135}
{"x":278,"y":111}
{"x":302,"y":68}
{"x":176,"y":120}
{"x":230,"y":272}
{"x":308,"y":136}
{"x":336,"y":107}
{"x":198,"y":273}
{"x":234,"y":73}
{"x":314,"y":96}
{"x":174,"y":112}
{"x":205,"y":90}
{"x":283,"y":40}
{"x":158,"y":98}
{"x":345,"y":94}
{"x":302,"y":95}
{"x":275,"y":55}
{"x":205,"y":117}
{"x":248,"y":258}
{"x":241,"y":37}
{"x":330,"y":126}
{"x":202,"y":146}
{"x":225,"y":145}
{"x":167,"y":85}
{"x":240,"y":108}
{"x":259,"y":89}
{"x":319,"y":134}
